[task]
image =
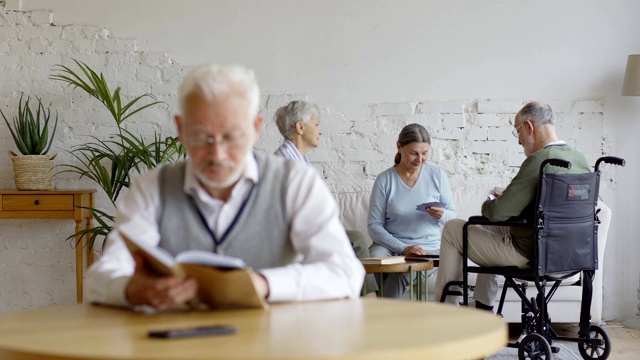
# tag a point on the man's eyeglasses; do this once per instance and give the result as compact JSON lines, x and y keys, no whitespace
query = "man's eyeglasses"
{"x":204,"y":141}
{"x":516,"y":132}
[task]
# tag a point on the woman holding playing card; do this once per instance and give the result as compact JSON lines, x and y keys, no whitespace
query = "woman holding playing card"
{"x":409,"y":202}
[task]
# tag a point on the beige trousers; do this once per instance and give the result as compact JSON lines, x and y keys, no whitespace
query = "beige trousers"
{"x":488,"y":246}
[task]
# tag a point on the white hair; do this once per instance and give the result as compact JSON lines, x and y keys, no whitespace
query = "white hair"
{"x":287,"y":116}
{"x":211,"y":81}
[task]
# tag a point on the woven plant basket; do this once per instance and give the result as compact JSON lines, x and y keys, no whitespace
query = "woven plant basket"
{"x":32,"y":172}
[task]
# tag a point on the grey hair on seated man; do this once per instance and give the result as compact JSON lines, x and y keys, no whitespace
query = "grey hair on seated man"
{"x":538,"y":113}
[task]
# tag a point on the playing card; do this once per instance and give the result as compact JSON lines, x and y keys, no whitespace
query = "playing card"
{"x":425,"y":206}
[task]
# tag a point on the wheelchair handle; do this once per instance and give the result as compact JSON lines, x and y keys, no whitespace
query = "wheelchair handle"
{"x":610,"y":160}
{"x":556,"y":162}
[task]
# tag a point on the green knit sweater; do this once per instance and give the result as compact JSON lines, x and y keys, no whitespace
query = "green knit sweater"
{"x":518,"y":198}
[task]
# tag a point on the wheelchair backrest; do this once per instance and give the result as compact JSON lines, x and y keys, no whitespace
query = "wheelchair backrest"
{"x":566,"y":223}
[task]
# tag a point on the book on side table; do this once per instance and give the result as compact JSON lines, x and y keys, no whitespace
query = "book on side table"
{"x":421,"y":257}
{"x":224,"y":282}
{"x":387,"y":260}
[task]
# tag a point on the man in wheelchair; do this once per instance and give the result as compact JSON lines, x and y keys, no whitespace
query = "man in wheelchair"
{"x":534,"y":126}
{"x":543,"y":227}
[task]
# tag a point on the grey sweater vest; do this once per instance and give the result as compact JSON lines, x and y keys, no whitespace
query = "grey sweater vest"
{"x":260,"y":232}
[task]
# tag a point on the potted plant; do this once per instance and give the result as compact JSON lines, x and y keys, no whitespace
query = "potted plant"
{"x":33,"y":137}
{"x":111,"y":161}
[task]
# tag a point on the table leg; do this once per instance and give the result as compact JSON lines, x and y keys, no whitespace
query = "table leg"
{"x":411,"y":283}
{"x":420,"y":285}
{"x":79,"y":262}
{"x":426,"y":286}
{"x":89,"y":248}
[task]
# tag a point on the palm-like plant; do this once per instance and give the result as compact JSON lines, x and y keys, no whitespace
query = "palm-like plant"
{"x":96,"y":86}
{"x":31,"y":132}
{"x":109,"y":163}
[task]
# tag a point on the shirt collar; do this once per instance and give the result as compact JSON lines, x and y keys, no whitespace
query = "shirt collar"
{"x":294,"y":151}
{"x":556,"y":143}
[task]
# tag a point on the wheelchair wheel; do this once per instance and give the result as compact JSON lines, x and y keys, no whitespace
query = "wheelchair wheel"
{"x":589,"y":351}
{"x":534,"y":347}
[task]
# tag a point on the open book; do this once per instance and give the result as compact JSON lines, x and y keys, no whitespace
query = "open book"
{"x":224,"y":282}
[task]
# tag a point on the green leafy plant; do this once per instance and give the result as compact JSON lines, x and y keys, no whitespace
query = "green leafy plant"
{"x":110,"y":162}
{"x":30,"y":131}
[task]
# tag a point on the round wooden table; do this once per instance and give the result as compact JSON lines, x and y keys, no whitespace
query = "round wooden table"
{"x":410,"y":267}
{"x":364,"y":328}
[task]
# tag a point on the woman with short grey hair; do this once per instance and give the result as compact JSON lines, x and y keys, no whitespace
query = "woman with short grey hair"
{"x":299,"y":123}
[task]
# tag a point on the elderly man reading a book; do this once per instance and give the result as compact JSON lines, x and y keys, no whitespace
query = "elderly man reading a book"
{"x":275,"y":214}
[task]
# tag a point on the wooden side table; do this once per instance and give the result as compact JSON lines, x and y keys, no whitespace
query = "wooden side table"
{"x":411,"y":267}
{"x":53,"y":204}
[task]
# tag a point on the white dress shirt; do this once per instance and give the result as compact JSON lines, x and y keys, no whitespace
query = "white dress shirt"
{"x":328,"y":269}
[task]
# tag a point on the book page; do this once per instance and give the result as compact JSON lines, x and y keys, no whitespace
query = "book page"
{"x":205,"y":258}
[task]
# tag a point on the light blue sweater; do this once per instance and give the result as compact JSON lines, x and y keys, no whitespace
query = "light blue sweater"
{"x":394,"y":221}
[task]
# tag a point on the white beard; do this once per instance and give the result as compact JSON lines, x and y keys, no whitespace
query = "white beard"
{"x":220,"y":185}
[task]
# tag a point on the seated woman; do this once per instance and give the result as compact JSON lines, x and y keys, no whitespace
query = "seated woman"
{"x":395,"y":224}
{"x":299,"y":123}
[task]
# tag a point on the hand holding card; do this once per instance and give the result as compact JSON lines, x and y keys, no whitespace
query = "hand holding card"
{"x":425,"y":206}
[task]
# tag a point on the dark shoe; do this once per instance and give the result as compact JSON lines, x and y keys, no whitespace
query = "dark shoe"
{"x":482,"y":306}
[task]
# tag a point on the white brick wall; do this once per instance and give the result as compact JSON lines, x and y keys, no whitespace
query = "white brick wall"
{"x":472,"y":138}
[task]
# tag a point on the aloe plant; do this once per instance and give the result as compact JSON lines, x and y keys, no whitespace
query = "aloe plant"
{"x":30,"y":131}
{"x":109,"y":162}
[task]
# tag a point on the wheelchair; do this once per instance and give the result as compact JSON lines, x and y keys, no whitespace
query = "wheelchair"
{"x":565,"y":222}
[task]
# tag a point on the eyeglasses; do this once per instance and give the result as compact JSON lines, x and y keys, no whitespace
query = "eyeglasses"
{"x":204,"y":141}
{"x":515,"y":131}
